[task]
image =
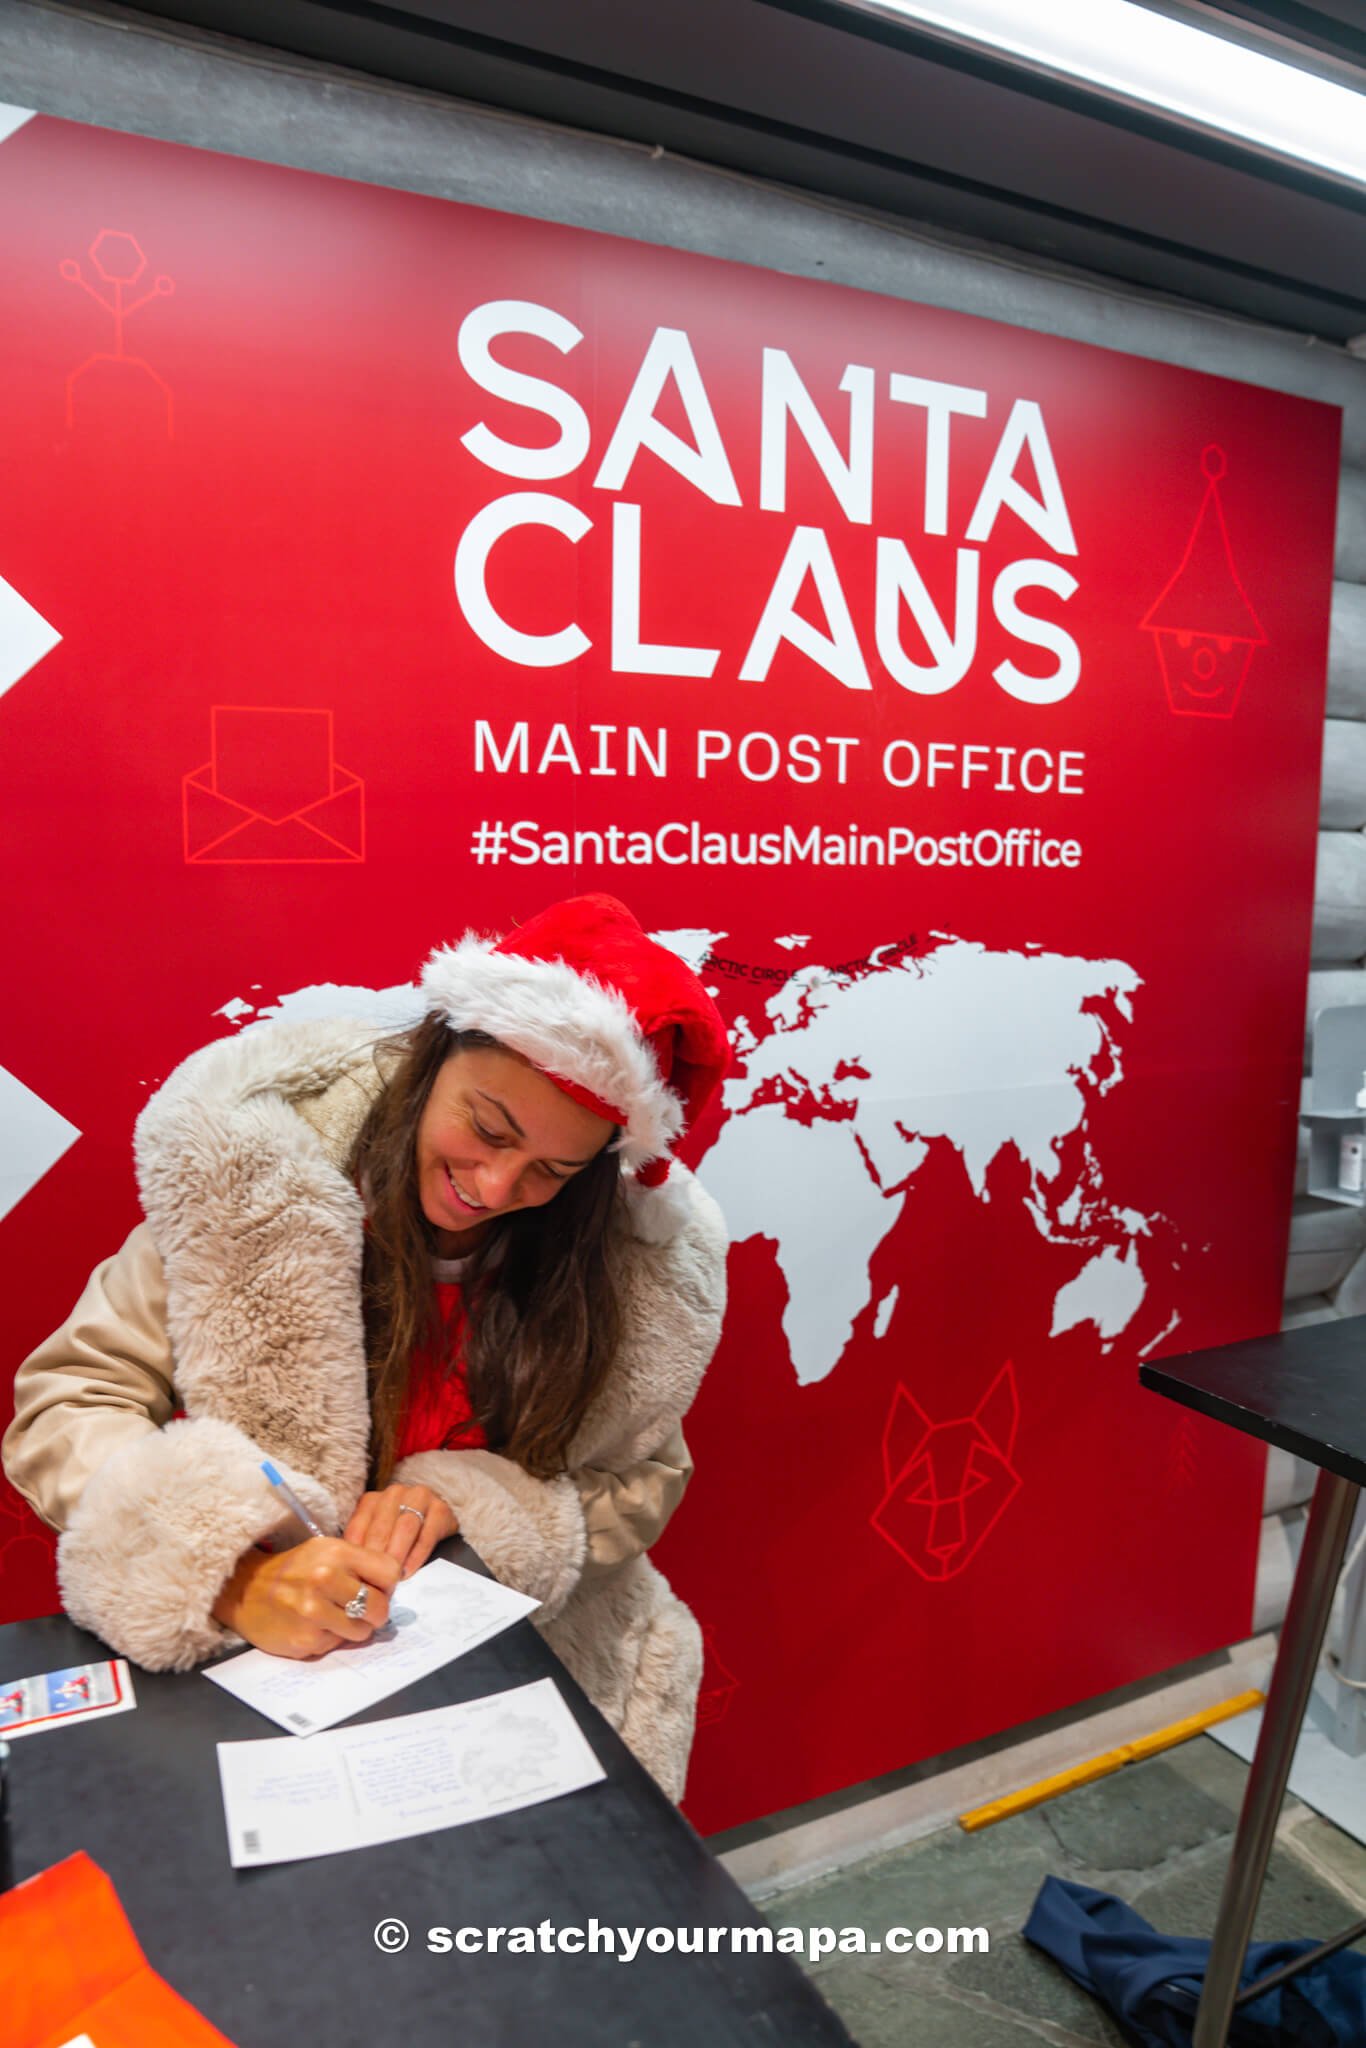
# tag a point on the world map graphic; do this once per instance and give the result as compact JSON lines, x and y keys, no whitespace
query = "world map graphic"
{"x":847,"y":1078}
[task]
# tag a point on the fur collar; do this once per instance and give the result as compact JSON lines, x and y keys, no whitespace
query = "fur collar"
{"x":242,"y":1159}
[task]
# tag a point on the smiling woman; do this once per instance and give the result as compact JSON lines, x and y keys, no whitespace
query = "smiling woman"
{"x":476,"y":1157}
{"x":448,"y":1281}
{"x":496,"y":1141}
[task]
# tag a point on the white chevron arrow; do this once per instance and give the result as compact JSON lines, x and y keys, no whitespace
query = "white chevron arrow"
{"x":12,"y":118}
{"x":35,"y":1139}
{"x":25,"y":636}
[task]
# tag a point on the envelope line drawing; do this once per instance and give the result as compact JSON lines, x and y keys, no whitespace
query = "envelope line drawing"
{"x":217,"y":850}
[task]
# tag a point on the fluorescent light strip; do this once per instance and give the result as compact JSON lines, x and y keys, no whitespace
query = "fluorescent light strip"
{"x":1153,"y":61}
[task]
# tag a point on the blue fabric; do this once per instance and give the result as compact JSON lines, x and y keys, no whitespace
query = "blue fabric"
{"x":1151,"y":1982}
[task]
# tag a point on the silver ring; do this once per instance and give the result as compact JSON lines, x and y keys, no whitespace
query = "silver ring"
{"x":421,"y":1513}
{"x":355,"y":1607}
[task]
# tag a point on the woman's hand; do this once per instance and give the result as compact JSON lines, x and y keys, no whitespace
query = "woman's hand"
{"x":293,"y":1602}
{"x":405,"y":1522}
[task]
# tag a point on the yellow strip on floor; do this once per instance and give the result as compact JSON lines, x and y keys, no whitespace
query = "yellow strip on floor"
{"x":1111,"y":1760}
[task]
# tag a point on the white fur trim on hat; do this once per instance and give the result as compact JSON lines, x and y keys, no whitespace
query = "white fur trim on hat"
{"x":565,"y":1023}
{"x":658,"y":1214}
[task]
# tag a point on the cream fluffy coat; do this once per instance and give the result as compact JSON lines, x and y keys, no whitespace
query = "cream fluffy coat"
{"x":242,"y":1161}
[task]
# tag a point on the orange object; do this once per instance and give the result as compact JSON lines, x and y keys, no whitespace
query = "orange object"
{"x":71,"y":1970}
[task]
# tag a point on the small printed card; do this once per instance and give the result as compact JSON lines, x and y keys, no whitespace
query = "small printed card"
{"x":80,"y":1693}
{"x":436,"y":1615}
{"x":350,"y":1788}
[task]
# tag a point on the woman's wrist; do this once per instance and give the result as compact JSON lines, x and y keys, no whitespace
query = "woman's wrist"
{"x":227,"y":1607}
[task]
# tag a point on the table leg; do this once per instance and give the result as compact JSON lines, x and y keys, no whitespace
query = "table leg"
{"x":1306,"y":1622}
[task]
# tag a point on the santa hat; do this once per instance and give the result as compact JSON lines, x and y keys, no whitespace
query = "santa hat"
{"x":616,"y":1020}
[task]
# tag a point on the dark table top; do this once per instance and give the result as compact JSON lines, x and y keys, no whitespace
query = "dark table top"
{"x":285,"y":1955}
{"x":1304,"y":1390}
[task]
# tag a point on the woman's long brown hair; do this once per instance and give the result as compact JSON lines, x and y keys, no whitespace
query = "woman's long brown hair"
{"x":542,"y":1315}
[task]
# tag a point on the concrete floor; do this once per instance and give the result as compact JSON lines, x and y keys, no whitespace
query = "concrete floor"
{"x":1157,"y":1833}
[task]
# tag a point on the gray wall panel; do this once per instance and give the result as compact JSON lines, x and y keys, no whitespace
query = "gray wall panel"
{"x":1350,"y":566}
{"x":1342,"y":805}
{"x":1347,"y":652}
{"x":1340,"y":898}
{"x":1326,"y":1226}
{"x":1332,"y":985}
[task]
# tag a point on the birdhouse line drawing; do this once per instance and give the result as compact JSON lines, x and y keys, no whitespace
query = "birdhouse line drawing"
{"x":1203,"y":623}
{"x":118,"y":261}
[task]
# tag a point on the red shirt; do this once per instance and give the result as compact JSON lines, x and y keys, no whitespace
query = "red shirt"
{"x":436,"y":1413}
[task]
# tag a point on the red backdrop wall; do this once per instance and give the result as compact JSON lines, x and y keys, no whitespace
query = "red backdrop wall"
{"x":953,"y":696}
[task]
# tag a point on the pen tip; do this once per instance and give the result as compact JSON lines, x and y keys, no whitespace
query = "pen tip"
{"x":270,"y":1472}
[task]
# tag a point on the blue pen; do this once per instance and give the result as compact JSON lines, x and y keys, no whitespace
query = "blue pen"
{"x":291,"y":1499}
